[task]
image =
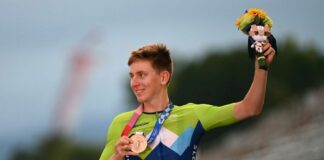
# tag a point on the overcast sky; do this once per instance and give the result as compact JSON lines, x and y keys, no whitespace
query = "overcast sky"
{"x":37,"y":38}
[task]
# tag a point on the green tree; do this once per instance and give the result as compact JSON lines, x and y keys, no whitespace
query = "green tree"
{"x":224,"y":77}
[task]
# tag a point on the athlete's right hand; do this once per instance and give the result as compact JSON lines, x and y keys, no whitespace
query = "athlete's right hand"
{"x":123,"y":148}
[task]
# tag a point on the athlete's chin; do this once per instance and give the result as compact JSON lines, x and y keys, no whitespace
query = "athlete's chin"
{"x":140,"y":99}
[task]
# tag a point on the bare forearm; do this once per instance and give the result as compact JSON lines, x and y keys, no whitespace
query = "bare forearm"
{"x":253,"y":101}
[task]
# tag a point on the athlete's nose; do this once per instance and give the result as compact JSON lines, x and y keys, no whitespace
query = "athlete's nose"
{"x":134,"y":83}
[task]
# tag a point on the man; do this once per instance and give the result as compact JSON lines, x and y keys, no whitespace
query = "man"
{"x":172,"y":132}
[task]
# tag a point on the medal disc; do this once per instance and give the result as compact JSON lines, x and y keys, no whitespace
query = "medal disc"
{"x":139,"y":143}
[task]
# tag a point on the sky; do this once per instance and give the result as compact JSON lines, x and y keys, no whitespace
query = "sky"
{"x":37,"y":40}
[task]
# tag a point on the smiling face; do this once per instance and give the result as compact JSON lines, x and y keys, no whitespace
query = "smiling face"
{"x":147,"y":83}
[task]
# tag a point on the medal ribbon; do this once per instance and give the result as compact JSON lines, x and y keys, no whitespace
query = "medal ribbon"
{"x":132,"y":121}
{"x":157,"y":126}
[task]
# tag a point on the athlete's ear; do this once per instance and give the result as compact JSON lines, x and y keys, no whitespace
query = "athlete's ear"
{"x":165,"y":77}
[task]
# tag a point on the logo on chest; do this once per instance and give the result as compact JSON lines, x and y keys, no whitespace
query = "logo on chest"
{"x":141,"y":124}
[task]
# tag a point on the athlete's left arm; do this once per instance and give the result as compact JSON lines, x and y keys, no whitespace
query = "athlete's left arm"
{"x":253,"y":101}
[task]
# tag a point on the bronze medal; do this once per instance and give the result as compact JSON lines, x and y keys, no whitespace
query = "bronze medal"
{"x":139,"y":143}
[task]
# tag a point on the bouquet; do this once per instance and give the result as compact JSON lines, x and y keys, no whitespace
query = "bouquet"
{"x":257,"y":25}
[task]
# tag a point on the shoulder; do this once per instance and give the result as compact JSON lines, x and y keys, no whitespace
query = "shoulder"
{"x":125,"y":116}
{"x":202,"y":109}
{"x":191,"y":108}
{"x":185,"y":106}
{"x":193,"y":105}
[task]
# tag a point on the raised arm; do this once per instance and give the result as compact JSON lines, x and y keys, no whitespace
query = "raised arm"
{"x":253,"y":101}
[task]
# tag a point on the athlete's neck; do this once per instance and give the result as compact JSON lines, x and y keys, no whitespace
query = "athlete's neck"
{"x":156,"y":105}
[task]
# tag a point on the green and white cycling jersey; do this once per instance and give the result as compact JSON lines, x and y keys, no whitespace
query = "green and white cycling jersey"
{"x":180,"y":134}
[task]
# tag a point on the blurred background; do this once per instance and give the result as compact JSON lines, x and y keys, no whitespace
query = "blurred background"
{"x":64,"y":74}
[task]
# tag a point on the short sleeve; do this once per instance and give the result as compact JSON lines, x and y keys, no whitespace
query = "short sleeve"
{"x":111,"y":140}
{"x":113,"y":135}
{"x":213,"y":116}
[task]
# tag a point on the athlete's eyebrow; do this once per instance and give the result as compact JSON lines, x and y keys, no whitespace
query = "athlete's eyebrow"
{"x":137,"y":73}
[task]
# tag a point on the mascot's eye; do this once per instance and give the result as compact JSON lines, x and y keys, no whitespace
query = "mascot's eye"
{"x":256,"y":32}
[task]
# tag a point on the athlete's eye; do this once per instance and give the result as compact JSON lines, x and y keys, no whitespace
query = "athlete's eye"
{"x":131,"y":76}
{"x":142,"y":75}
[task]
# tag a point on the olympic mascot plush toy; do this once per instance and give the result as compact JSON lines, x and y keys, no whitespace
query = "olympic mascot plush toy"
{"x":257,"y":25}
